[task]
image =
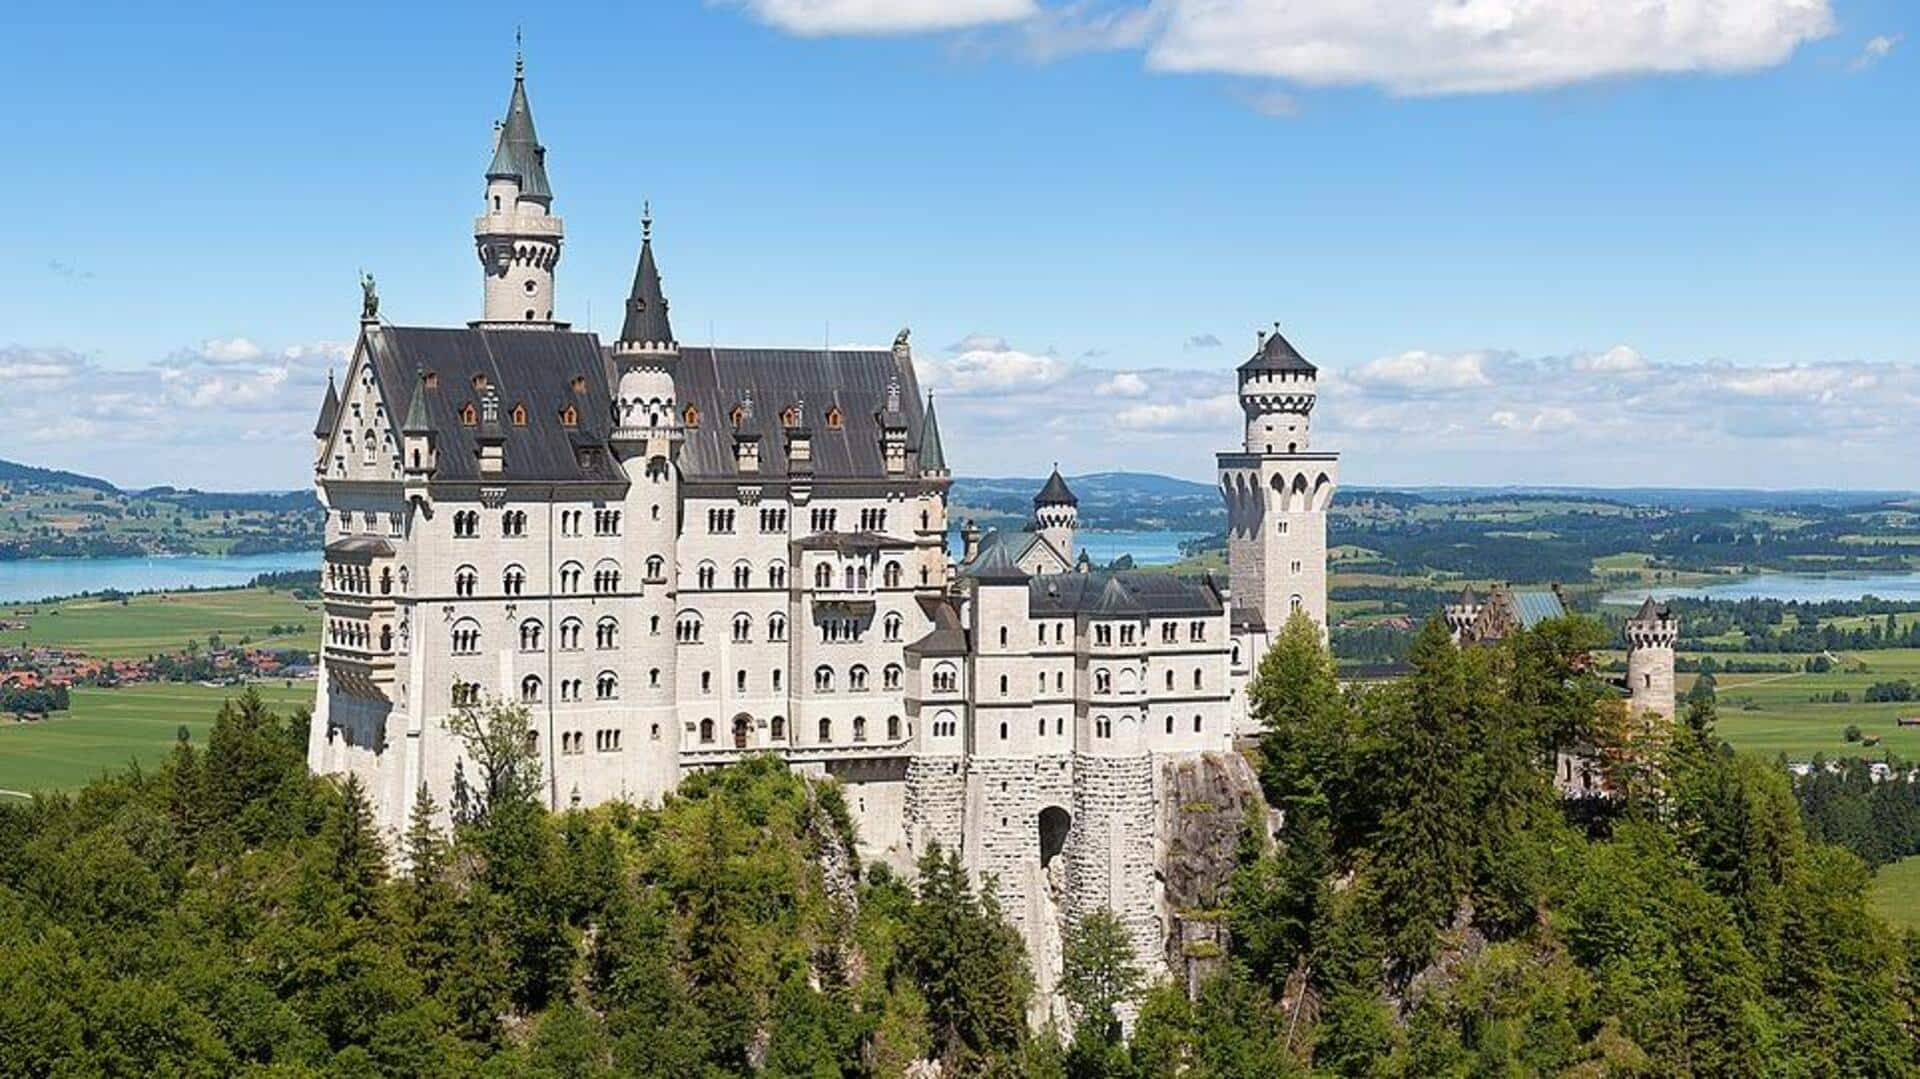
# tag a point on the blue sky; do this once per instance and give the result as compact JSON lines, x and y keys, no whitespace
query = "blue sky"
{"x":1539,"y":241}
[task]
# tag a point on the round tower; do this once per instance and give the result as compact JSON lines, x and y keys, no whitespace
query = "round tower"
{"x":1056,"y":513}
{"x":1278,"y":388}
{"x":516,"y":235}
{"x":1651,"y":634}
{"x":646,"y":439}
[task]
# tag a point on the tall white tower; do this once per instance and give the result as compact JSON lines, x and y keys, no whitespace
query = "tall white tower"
{"x":646,"y":438}
{"x":1651,"y":634}
{"x":516,"y":235}
{"x":1056,"y":512}
{"x":1277,"y":490}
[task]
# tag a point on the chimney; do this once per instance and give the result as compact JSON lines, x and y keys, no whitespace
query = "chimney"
{"x":969,"y":540}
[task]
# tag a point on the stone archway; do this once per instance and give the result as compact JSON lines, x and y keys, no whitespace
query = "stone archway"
{"x":1054,"y":823}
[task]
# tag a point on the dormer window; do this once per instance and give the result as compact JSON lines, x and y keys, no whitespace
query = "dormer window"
{"x":579,"y":383}
{"x":692,"y":416}
{"x":569,"y":417}
{"x":519,"y":414}
{"x":739,"y":415}
{"x":790,"y":417}
{"x":833,"y":418}
{"x":469,"y":416}
{"x":431,"y":379}
{"x":479,"y":383}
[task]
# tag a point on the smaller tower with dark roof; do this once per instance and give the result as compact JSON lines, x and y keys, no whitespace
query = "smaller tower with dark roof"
{"x":1651,"y":634}
{"x":646,"y":353}
{"x":516,"y":235}
{"x":1056,"y":513}
{"x":323,"y":427}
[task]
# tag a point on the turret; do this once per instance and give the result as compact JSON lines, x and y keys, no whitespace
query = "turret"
{"x":1277,"y":394}
{"x":1056,"y":512}
{"x":1651,"y":634}
{"x":646,"y":353}
{"x":933,"y":456}
{"x":1462,"y":613}
{"x":516,"y":235}
{"x":416,"y":435}
{"x":323,"y":427}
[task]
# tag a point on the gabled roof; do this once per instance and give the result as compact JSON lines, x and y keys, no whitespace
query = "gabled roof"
{"x":1101,"y":594}
{"x":518,"y":155}
{"x":995,"y":564}
{"x":329,"y":410}
{"x":646,"y":321}
{"x":1535,"y":607}
{"x":949,"y":634}
{"x":1056,"y":492}
{"x":539,"y":370}
{"x":1276,"y":353}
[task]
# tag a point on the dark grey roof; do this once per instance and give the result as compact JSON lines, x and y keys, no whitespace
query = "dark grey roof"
{"x":537,"y":368}
{"x":949,"y":635}
{"x":1468,"y":597}
{"x":646,"y":304}
{"x":368,"y":546}
{"x":995,"y":564}
{"x":854,"y":382}
{"x":1277,"y":354}
{"x":933,"y":457}
{"x":1056,"y":492}
{"x":1650,"y":611}
{"x":519,"y":155}
{"x":329,"y":410}
{"x":1116,"y":595}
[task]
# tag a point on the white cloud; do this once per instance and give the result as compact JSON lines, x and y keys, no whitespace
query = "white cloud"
{"x":1424,"y":372}
{"x":1875,"y":50}
{"x":991,"y":370}
{"x":1554,"y":418}
{"x":231,"y":350}
{"x":1619,"y":359}
{"x":1124,"y":384}
{"x":813,"y":18}
{"x":1403,"y":46}
{"x":979,"y":342}
{"x":1217,"y":413}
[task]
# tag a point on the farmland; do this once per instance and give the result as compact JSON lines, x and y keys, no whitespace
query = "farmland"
{"x":107,"y":728}
{"x":141,"y":626}
{"x":1896,"y":893}
{"x":1776,"y":713}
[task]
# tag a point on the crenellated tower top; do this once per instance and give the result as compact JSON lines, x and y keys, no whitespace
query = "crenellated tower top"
{"x":1278,"y":388}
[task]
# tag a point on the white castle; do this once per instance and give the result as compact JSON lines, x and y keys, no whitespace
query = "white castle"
{"x":677,"y":556}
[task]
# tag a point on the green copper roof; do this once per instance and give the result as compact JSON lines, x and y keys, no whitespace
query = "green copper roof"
{"x":519,"y":155}
{"x":417,"y":422}
{"x":932,"y":457}
{"x":1534,"y":608}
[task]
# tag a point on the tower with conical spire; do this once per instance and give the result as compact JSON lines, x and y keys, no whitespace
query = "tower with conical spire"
{"x":646,"y":352}
{"x":1056,"y":512}
{"x":1651,"y":634}
{"x":516,"y":235}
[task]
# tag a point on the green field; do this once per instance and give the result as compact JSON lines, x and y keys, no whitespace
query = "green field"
{"x":109,"y":727}
{"x":146,"y":625}
{"x":1781,"y":719}
{"x":1896,"y":893}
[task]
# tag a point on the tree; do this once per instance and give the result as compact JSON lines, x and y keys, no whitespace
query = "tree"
{"x":358,"y":862}
{"x":499,"y":738}
{"x":1099,"y":974}
{"x":967,"y":964}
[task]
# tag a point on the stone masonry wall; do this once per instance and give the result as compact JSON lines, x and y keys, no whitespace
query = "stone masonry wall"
{"x":1111,"y":852}
{"x":936,"y":799}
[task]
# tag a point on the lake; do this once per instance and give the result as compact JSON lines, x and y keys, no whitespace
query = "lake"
{"x":1805,"y":588}
{"x":39,"y":578}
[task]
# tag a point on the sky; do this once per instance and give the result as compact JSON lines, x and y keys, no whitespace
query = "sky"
{"x":1668,"y":242}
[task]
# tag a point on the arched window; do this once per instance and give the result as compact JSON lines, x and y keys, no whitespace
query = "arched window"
{"x":777,"y":575}
{"x":1197,"y":722}
{"x":607,"y":686}
{"x":742,"y":628}
{"x":530,"y":635}
{"x":742,"y":574}
{"x":606,"y":634}
{"x":1003,"y":636}
{"x":466,"y":580}
{"x":893,"y":728}
{"x":686,"y":629}
{"x":656,"y":568}
{"x":891,"y":575}
{"x":466,"y":637}
{"x":386,"y":638}
{"x":776,"y":627}
{"x":945,"y":678}
{"x":705,"y":574}
{"x":857,"y":679}
{"x":892,"y":625}
{"x":859,"y":728}
{"x":823,"y":679}
{"x":1003,"y":685}
{"x":890,"y":677}
{"x":1102,"y":681}
{"x":1003,"y":732}
{"x":570,"y":573}
{"x":945,"y":725}
{"x":823,"y":576}
{"x":826,"y":730}
{"x":1169,"y":724}
{"x":606,"y":576}
{"x":530,"y":689}
{"x":706,"y":732}
{"x":570,"y":635}
{"x":777,"y":729}
{"x":1196,"y":678}
{"x":1169,"y":684}
{"x":513,"y":580}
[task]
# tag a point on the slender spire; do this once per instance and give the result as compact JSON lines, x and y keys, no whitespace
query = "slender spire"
{"x":646,"y":323}
{"x":518,"y":154}
{"x":417,"y":422}
{"x":329,"y":410}
{"x":933,"y":458}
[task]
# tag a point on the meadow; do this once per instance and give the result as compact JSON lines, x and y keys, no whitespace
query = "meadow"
{"x":1895,"y":893}
{"x":1774,"y":713}
{"x":146,"y":625}
{"x":107,"y":728}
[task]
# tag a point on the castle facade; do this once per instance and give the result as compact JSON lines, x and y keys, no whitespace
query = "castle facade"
{"x":677,"y":556}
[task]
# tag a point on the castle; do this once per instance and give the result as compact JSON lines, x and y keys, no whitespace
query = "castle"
{"x":676,"y":556}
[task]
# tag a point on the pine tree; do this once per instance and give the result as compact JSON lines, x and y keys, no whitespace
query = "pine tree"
{"x":1099,"y":975}
{"x":359,"y":861}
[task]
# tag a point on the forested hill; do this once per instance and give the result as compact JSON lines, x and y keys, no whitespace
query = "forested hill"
{"x":17,"y":475}
{"x":49,"y":513}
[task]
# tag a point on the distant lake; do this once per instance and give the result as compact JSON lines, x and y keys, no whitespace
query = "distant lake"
{"x":1805,"y":588}
{"x":1147,"y":548}
{"x":37,"y":578}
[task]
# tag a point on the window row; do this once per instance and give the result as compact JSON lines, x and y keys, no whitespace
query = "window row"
{"x":513,"y":579}
{"x":823,"y":678}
